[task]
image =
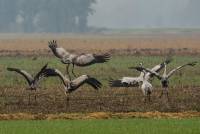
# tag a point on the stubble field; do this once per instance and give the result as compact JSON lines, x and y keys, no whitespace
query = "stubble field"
{"x":118,"y":110}
{"x":30,"y":52}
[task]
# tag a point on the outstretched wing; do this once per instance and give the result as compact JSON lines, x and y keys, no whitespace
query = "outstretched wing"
{"x":125,"y":82}
{"x":180,"y":67}
{"x":116,"y":83}
{"x":88,"y":59}
{"x":57,"y":51}
{"x":159,"y":67}
{"x":76,"y":83}
{"x":26,"y":75}
{"x":41,"y":74}
{"x":142,"y":69}
{"x":153,"y":71}
{"x":94,"y":83}
{"x":50,"y":72}
{"x":53,"y":44}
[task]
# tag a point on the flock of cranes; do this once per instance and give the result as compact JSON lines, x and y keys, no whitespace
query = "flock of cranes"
{"x":145,"y":78}
{"x":82,"y":60}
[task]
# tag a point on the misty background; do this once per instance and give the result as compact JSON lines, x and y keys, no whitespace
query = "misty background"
{"x":76,"y":16}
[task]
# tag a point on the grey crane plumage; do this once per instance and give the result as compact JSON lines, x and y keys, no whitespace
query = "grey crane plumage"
{"x":134,"y":81}
{"x":80,"y":60}
{"x":32,"y":81}
{"x":165,"y":77}
{"x":72,"y":85}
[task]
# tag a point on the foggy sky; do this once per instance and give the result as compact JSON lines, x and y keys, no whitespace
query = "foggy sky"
{"x":140,"y":14}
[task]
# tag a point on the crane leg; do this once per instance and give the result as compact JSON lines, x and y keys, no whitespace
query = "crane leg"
{"x":67,"y":100}
{"x":35,"y":96}
{"x":73,"y":71}
{"x":149,"y":97}
{"x":167,"y":93}
{"x":145,"y":97}
{"x":161,"y":94}
{"x":67,"y":71}
{"x":29,"y":97}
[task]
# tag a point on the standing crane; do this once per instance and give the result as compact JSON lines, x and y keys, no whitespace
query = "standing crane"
{"x":81,"y":60}
{"x":146,"y":86}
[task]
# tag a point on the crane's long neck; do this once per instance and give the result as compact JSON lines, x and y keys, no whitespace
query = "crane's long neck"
{"x":165,"y":70}
{"x":144,"y":76}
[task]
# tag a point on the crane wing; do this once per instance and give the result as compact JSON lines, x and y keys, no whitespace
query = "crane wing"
{"x":50,"y":72}
{"x":180,"y":67}
{"x":26,"y":75}
{"x":57,"y":51}
{"x":88,"y":59}
{"x":76,"y":83}
{"x":142,"y":69}
{"x":159,"y":67}
{"x":41,"y":74}
{"x":125,"y":82}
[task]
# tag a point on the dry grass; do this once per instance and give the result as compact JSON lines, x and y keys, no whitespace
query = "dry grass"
{"x":99,"y":115}
{"x":101,"y":43}
{"x":51,"y":101}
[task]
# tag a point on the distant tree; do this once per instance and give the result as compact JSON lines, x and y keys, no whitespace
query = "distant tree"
{"x":45,"y":15}
{"x":83,"y":11}
{"x":8,"y":12}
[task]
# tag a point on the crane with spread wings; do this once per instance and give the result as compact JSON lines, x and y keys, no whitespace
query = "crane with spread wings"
{"x":80,"y":60}
{"x":166,"y":76}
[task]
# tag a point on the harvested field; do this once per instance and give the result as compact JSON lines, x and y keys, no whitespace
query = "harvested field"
{"x":162,"y":44}
{"x":112,"y":100}
{"x":31,"y":52}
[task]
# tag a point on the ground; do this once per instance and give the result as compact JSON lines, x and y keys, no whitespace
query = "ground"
{"x":30,"y":52}
{"x":125,"y":126}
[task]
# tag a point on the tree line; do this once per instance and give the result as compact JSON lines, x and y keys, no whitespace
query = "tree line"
{"x":57,"y":16}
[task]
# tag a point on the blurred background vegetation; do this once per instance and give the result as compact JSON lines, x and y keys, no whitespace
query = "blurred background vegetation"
{"x":44,"y":15}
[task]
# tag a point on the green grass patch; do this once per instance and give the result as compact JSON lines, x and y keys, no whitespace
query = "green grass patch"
{"x":116,"y":68}
{"x":123,"y":126}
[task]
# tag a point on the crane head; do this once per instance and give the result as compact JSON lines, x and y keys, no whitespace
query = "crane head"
{"x":141,"y":64}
